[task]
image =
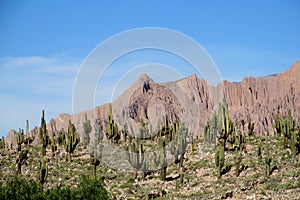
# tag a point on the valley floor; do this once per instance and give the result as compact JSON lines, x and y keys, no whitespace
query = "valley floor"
{"x":200,"y":180}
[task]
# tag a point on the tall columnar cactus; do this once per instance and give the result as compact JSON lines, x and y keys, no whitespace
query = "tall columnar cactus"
{"x":250,"y":128}
{"x":43,"y":134}
{"x":240,"y":141}
{"x":136,"y":156}
{"x":211,"y":129}
{"x":42,"y":171}
{"x":160,"y":159}
{"x":219,"y":157}
{"x":112,"y":128}
{"x":163,"y":173}
{"x":62,"y":137}
{"x":225,"y":124}
{"x":206,"y":132}
{"x":2,"y":143}
{"x":179,"y":144}
{"x":288,"y":128}
{"x":22,"y":157}
{"x":278,"y":125}
{"x":238,"y":160}
{"x":232,"y":137}
{"x":95,"y":162}
{"x":295,"y":141}
{"x":28,"y":139}
{"x":53,"y":146}
{"x":259,"y":155}
{"x":124,"y":132}
{"x":87,"y":128}
{"x":97,"y":147}
{"x":71,"y":140}
{"x":182,"y":144}
{"x":20,"y":139}
{"x":268,"y":161}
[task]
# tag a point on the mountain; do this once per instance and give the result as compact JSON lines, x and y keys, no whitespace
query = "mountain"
{"x":192,"y":101}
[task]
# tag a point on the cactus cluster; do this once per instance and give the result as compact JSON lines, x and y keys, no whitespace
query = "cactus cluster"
{"x":288,"y":127}
{"x":71,"y":140}
{"x":226,"y":132}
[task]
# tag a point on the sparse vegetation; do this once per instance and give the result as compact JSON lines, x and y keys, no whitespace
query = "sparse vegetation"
{"x":233,"y":162}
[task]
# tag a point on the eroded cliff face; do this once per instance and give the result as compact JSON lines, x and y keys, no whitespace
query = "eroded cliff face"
{"x":193,"y":102}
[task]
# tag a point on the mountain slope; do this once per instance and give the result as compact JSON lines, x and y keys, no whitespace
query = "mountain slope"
{"x":192,"y":101}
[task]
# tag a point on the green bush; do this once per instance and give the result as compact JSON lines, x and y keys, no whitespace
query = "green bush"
{"x":20,"y":188}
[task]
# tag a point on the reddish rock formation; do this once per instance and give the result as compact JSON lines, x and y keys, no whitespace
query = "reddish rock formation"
{"x":192,"y":101}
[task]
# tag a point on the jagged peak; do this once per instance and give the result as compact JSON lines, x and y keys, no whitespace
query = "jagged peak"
{"x":144,"y":78}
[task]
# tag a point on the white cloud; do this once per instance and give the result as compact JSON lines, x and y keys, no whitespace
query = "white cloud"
{"x":30,"y":84}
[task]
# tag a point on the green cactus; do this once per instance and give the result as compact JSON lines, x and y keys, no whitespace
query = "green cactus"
{"x":220,"y":157}
{"x":179,"y":144}
{"x":124,"y":132}
{"x":28,"y":139}
{"x":163,"y":173}
{"x":53,"y":146}
{"x":22,"y":157}
{"x":206,"y":132}
{"x":2,"y":143}
{"x":250,"y":128}
{"x":268,"y":161}
{"x":232,"y":137}
{"x":240,"y":142}
{"x":225,"y":124}
{"x":20,"y":139}
{"x":211,"y":129}
{"x":62,"y":137}
{"x":181,"y":175}
{"x":98,"y":131}
{"x":295,"y":141}
{"x":136,"y":156}
{"x":112,"y":128}
{"x":161,"y":161}
{"x":87,"y":128}
{"x":237,"y":162}
{"x":259,"y":155}
{"x":43,"y":134}
{"x":288,"y":129}
{"x":97,"y":147}
{"x":278,"y":125}
{"x":71,"y":140}
{"x":42,"y":171}
{"x":145,"y":166}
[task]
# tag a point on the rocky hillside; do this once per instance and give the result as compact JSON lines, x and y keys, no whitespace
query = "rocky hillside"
{"x":192,"y":101}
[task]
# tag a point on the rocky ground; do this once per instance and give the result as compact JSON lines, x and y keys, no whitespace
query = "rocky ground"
{"x":200,"y":180}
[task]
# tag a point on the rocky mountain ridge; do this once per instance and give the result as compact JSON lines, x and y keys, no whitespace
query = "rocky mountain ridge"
{"x":192,"y":101}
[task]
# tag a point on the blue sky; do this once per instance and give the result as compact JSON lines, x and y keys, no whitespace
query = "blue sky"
{"x":43,"y":43}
